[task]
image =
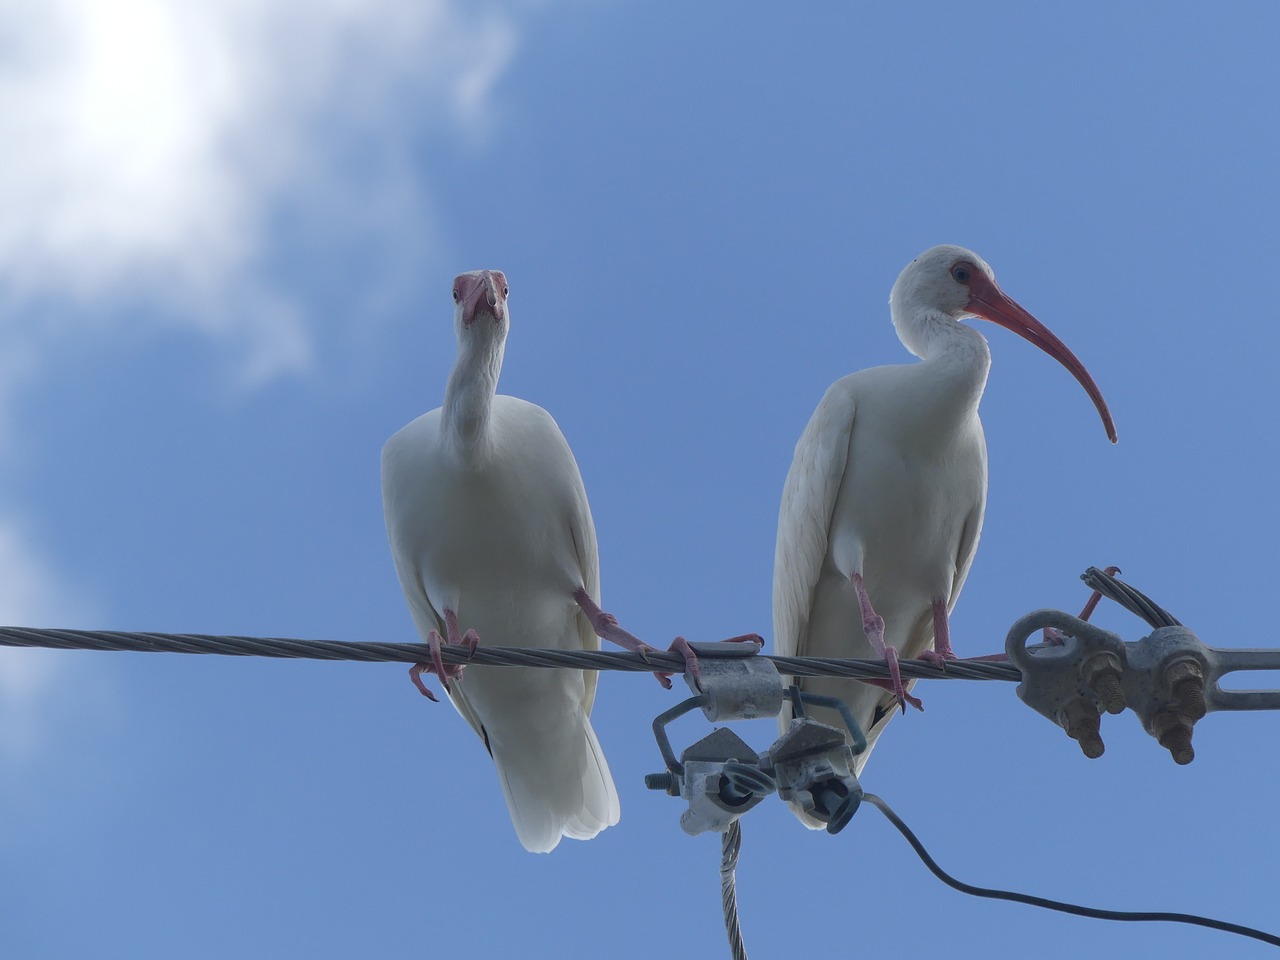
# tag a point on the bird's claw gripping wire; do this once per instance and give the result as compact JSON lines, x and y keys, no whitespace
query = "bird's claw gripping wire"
{"x":873,"y":630}
{"x":606,"y":627}
{"x":446,"y":672}
{"x":692,"y":667}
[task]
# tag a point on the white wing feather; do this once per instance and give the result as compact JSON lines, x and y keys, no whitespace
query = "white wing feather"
{"x":804,"y":519}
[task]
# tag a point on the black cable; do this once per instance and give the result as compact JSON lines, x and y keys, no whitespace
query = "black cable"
{"x":1079,"y":911}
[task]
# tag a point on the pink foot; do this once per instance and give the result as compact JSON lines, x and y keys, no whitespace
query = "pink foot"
{"x":903,"y":697}
{"x":681,"y":646}
{"x":606,"y":627}
{"x":873,"y":627}
{"x":446,"y":672}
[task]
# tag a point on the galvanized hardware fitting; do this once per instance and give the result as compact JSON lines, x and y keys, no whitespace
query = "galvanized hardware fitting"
{"x":1067,"y":682}
{"x":722,"y":777}
{"x":812,"y":763}
{"x":736,"y":684}
{"x":1168,"y":678}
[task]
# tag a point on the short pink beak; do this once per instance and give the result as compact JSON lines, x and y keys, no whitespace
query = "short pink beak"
{"x":482,"y":293}
{"x":988,"y":301}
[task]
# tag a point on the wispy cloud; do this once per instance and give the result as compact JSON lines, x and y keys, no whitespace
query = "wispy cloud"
{"x":31,"y":594}
{"x":149,"y":152}
{"x":150,"y":145}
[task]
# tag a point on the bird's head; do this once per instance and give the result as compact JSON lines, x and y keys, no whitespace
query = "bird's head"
{"x":480,"y":295}
{"x":956,"y":282}
{"x":943,"y":280}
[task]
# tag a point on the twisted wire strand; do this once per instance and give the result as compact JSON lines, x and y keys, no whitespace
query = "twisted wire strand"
{"x":1129,"y":597}
{"x":374,"y":652}
{"x":730,"y":846}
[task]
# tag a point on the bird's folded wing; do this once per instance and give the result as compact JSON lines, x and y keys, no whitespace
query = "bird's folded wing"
{"x":804,"y":519}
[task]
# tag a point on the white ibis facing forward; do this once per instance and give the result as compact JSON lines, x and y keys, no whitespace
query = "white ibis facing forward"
{"x":883,"y":504}
{"x":491,"y":532}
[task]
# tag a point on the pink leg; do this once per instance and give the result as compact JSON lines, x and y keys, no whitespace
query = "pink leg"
{"x":445,"y":672}
{"x":606,"y":627}
{"x":873,"y":627}
{"x":941,"y":651}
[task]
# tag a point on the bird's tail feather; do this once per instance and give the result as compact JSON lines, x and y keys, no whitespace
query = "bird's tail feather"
{"x":558,"y":785}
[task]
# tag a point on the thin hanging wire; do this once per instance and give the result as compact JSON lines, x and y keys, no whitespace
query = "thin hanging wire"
{"x":730,"y":846}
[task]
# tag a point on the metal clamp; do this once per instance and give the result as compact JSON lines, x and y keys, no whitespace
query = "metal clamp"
{"x":1168,"y":678}
{"x":735,"y":683}
{"x":812,"y":762}
{"x":721,"y":777}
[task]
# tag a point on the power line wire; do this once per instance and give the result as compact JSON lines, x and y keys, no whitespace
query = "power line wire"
{"x":374,"y":652}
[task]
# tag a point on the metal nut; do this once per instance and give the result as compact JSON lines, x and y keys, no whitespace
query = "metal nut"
{"x":1185,"y":678}
{"x":1081,"y":720}
{"x":1101,"y":674}
{"x":1174,"y":733}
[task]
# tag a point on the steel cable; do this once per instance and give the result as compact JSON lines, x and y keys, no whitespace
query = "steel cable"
{"x":730,"y":846}
{"x":373,"y":652}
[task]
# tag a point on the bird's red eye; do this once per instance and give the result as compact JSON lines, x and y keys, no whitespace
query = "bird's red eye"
{"x":961,"y":271}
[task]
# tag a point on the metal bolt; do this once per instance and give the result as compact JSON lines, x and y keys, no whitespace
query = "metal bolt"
{"x":1186,"y":679}
{"x":1174,"y":733}
{"x":660,"y":781}
{"x":1083,"y":722}
{"x":1101,"y":673}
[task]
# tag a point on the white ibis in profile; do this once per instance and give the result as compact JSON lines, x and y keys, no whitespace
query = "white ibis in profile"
{"x":491,"y":532}
{"x":883,"y":504}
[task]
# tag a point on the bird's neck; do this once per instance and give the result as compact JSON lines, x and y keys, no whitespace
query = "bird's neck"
{"x":956,"y":354}
{"x":468,"y":399}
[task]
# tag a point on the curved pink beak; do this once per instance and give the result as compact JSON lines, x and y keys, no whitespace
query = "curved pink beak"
{"x":482,"y":292}
{"x":988,"y":301}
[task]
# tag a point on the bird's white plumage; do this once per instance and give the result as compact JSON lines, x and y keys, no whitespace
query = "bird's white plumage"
{"x":901,"y":502}
{"x":889,"y":483}
{"x":488,"y":516}
{"x":888,"y":480}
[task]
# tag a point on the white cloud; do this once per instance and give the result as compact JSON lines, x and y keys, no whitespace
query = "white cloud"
{"x":148,"y":145}
{"x":148,"y":151}
{"x":31,"y":595}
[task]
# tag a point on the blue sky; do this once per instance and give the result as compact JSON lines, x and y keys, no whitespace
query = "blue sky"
{"x":227,"y":233}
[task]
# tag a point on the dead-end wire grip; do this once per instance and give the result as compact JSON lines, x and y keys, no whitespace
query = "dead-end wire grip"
{"x":1169,"y":678}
